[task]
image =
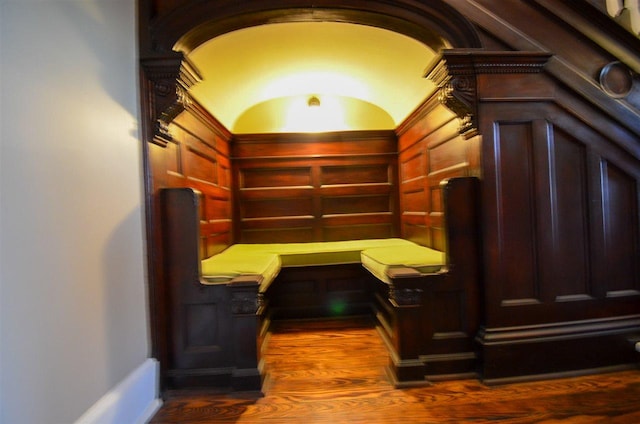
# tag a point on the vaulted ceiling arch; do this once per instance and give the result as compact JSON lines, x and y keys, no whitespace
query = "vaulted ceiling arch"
{"x":194,"y":27}
{"x":433,"y":23}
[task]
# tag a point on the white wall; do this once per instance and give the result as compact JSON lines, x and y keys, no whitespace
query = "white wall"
{"x":73,"y":319}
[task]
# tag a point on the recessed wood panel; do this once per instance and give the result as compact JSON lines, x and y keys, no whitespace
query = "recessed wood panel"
{"x":217,"y":242}
{"x":349,"y":177}
{"x":200,"y":326}
{"x":314,"y":145}
{"x":364,"y":174}
{"x":443,"y":134}
{"x":450,"y":313}
{"x":217,"y":208}
{"x":414,"y":166}
{"x":351,"y":190}
{"x":172,"y":158}
{"x":416,"y":233}
{"x":201,"y":126}
{"x":201,"y":165}
{"x":622,"y":231}
{"x":278,"y":177}
{"x":224,"y":173}
{"x":570,"y":227}
{"x":276,"y":208}
{"x":359,"y":219}
{"x":434,"y":116}
{"x":516,"y":211}
{"x":355,"y":232}
{"x":277,"y":235}
{"x":355,"y":204}
{"x":414,"y":201}
{"x":435,"y":194}
{"x":215,"y":236}
{"x":448,"y":154}
{"x":438,"y":238}
{"x":285,"y":223}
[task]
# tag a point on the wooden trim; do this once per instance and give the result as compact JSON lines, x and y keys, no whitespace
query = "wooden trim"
{"x":186,"y":27}
{"x":166,"y":82}
{"x":455,"y":73}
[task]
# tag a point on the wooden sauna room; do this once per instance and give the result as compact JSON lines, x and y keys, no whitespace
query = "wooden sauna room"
{"x":491,"y":233}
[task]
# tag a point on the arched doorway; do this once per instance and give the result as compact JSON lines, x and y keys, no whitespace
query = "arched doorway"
{"x":170,"y":37}
{"x":174,"y":32}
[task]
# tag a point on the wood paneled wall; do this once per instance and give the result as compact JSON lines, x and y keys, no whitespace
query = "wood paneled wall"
{"x":561,"y":230}
{"x":315,"y":187}
{"x":198,"y":157}
{"x":558,"y":154}
{"x":430,"y":150}
{"x":565,"y":229}
{"x":195,"y":155}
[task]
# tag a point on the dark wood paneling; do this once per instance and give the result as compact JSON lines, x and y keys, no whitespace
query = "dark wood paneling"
{"x":198,"y":157}
{"x":568,"y":273}
{"x":275,"y":177}
{"x":193,"y":322}
{"x":620,"y":197}
{"x":431,"y":319}
{"x":559,"y":278}
{"x":430,"y":151}
{"x":354,"y":174}
{"x":551,"y":246}
{"x":320,"y":291}
{"x":514,"y":145}
{"x":212,"y":329}
{"x":350,"y":143}
{"x":336,"y":186}
{"x":579,"y":239}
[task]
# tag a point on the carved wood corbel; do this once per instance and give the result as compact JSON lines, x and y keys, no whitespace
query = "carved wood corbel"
{"x":455,"y":74}
{"x":457,"y":91}
{"x":405,"y":296}
{"x":245,"y":299}
{"x":166,"y":83}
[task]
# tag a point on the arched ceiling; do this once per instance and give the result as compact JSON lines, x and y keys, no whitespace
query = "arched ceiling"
{"x":247,"y":71}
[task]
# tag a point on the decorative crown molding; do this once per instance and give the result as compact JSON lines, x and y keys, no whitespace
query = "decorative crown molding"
{"x":166,"y":89}
{"x":455,"y":73}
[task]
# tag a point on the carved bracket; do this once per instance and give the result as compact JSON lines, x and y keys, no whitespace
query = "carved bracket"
{"x":405,"y":296}
{"x":166,"y":82}
{"x":245,"y":302}
{"x":455,"y":74}
{"x":245,"y":299}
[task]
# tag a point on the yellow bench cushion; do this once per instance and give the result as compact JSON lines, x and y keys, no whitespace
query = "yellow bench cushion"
{"x":328,"y":252}
{"x":266,"y":259}
{"x":234,"y":261}
{"x":422,"y":259}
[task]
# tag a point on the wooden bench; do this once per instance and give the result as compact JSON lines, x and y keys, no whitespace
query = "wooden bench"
{"x":220,"y":307}
{"x":299,"y":293}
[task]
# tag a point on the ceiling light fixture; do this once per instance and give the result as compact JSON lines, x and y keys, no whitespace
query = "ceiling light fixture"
{"x":313,"y":101}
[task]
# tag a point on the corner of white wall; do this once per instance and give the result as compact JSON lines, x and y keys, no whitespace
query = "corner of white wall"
{"x":134,"y":400}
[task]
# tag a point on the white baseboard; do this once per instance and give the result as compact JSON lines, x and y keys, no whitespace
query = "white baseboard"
{"x":134,"y":400}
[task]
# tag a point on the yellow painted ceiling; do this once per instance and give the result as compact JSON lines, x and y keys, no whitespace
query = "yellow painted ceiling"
{"x":373,"y":76}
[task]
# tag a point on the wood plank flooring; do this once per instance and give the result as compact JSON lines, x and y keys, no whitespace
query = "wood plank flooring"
{"x":333,"y":372}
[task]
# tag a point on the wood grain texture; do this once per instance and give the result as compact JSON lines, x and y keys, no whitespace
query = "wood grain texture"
{"x":315,"y":187}
{"x":334,"y":372}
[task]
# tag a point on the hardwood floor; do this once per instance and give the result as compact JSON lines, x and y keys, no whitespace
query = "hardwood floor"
{"x":333,"y":372}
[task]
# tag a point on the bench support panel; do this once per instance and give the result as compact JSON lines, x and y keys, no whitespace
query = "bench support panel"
{"x":320,"y":291}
